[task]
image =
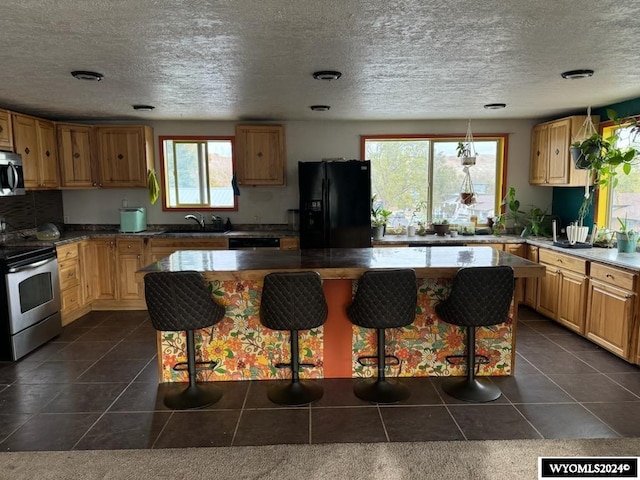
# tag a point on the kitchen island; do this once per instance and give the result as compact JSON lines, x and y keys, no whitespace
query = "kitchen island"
{"x":245,"y":350}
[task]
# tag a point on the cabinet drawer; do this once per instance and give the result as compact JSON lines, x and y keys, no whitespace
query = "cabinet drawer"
{"x":560,"y":260}
{"x":70,"y":299}
{"x":67,"y":252}
{"x":290,"y":243}
{"x":68,"y":275}
{"x":614,"y":276}
{"x":131,"y":246}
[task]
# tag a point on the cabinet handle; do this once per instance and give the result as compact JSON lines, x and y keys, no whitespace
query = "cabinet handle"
{"x":608,"y":275}
{"x":1,"y":129}
{"x":47,"y":153}
{"x":120,"y":156}
{"x":26,"y":150}
{"x":128,"y":246}
{"x":557,"y":151}
{"x":76,"y":155}
{"x":260,"y":155}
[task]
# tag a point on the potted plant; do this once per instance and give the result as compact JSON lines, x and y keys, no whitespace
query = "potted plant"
{"x":627,"y":239}
{"x":418,"y":208}
{"x":602,"y":158}
{"x":379,"y":219}
{"x":512,"y":212}
{"x":440,"y":226}
{"x":466,"y":153}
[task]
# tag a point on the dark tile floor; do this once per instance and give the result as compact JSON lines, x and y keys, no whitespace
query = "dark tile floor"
{"x":95,"y":387}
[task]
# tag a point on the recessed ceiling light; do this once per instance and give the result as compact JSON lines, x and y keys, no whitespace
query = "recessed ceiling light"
{"x":327,"y":75}
{"x":87,"y":75}
{"x":575,"y":74}
{"x":319,"y":108}
{"x":495,"y":106}
{"x":143,"y":108}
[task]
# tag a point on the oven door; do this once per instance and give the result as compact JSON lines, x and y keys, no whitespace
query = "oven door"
{"x":33,"y":293}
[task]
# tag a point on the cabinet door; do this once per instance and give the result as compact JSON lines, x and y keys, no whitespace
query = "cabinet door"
{"x":547,"y":303}
{"x":88,"y":271}
{"x":26,"y":143}
{"x":260,"y":155}
{"x":130,"y":260}
{"x":105,"y":266}
{"x":559,"y":141}
{"x":48,"y":173}
{"x":539,"y":155}
{"x":609,"y":317}
{"x":572,"y":299}
{"x":122,"y":156}
{"x":74,"y":150}
{"x":531,"y":284}
{"x":6,"y":132}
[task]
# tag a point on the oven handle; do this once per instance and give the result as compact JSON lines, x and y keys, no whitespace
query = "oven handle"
{"x":32,"y":265}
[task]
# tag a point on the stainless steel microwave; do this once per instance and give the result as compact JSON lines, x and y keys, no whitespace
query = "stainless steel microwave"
{"x":11,"y":174}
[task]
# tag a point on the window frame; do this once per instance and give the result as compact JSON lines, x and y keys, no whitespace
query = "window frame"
{"x":502,"y":158}
{"x":604,"y":196}
{"x":164,"y":179}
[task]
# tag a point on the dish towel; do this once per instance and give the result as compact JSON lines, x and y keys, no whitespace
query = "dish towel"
{"x":154,"y":188}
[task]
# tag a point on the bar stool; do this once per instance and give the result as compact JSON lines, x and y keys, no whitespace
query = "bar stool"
{"x":293,"y":301}
{"x":179,"y":301}
{"x":384,"y":299}
{"x":480,"y":296}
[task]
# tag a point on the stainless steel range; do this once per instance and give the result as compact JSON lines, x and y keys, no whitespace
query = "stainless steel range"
{"x":29,"y":299}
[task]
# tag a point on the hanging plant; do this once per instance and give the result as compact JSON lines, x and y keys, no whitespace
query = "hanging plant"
{"x":467,"y":195}
{"x":466,"y":150}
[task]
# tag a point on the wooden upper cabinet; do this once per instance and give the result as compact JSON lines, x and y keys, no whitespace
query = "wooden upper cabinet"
{"x":550,"y":162}
{"x":6,"y":132}
{"x":125,"y":153}
{"x":35,"y":140}
{"x":539,"y":154}
{"x":75,"y":154}
{"x":260,"y":155}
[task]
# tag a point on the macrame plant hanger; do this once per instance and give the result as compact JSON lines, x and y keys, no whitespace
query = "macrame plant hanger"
{"x":467,"y":194}
{"x":586,"y":130}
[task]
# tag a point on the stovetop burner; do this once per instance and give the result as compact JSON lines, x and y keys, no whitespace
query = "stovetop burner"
{"x":17,"y":256}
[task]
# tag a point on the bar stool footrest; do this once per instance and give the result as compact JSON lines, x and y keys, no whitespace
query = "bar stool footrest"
{"x":288,"y":365}
{"x":372,"y":360}
{"x":184,"y":366}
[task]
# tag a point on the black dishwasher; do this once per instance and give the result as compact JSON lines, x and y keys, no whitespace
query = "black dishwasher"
{"x":254,"y":243}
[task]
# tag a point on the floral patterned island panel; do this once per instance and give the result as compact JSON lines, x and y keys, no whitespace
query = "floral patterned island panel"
{"x":245,"y":350}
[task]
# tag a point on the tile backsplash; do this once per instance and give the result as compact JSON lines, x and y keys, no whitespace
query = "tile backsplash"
{"x":23,"y":212}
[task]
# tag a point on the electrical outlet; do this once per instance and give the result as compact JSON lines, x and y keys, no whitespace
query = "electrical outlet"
{"x":66,"y":219}
{"x":256,"y":219}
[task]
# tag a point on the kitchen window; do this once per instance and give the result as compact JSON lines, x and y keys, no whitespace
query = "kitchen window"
{"x":197,"y":173}
{"x":419,"y":178}
{"x":624,"y":199}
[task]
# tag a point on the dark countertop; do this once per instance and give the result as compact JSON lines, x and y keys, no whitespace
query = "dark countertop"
{"x":342,"y":263}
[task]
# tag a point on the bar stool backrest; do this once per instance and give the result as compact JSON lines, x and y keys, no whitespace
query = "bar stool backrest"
{"x":180,"y":301}
{"x":384,"y":299}
{"x":292,"y":301}
{"x":480,"y":296}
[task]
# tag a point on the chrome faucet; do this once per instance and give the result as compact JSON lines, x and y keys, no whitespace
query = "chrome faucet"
{"x":198,"y":217}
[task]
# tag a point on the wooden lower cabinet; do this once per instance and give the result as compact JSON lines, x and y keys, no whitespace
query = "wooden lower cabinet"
{"x":130,"y":260}
{"x":562,"y":292}
{"x":611,"y":310}
{"x":292,"y":243}
{"x":531,"y":284}
{"x":104,"y":250}
{"x":72,"y":281}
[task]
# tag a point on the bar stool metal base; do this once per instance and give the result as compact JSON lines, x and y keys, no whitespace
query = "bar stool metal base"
{"x":471,"y":389}
{"x":295,"y":393}
{"x":193,"y":397}
{"x":380,"y":391}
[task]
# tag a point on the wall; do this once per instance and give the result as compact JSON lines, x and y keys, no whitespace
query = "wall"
{"x":305,"y":141}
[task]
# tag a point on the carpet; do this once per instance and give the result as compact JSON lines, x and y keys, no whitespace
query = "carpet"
{"x":460,"y":460}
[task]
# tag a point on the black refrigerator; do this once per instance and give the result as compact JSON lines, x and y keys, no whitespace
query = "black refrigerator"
{"x":335,"y":204}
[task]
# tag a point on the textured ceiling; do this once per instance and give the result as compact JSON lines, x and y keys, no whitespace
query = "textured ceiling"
{"x":254,"y":59}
